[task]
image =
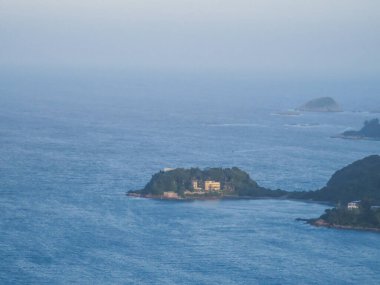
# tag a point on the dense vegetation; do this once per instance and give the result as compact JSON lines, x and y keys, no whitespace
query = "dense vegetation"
{"x":179,"y":180}
{"x":371,"y":129}
{"x":362,"y":217}
{"x":357,"y":181}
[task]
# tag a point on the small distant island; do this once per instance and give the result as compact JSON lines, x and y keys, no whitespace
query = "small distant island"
{"x":370,"y":130}
{"x":209,"y":183}
{"x":322,"y":104}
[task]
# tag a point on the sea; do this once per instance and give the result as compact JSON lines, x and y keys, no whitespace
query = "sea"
{"x":73,"y":142}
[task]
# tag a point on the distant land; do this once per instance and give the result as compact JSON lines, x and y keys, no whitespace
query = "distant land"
{"x":357,"y":183}
{"x":210,"y":183}
{"x":370,"y":130}
{"x":359,"y":180}
{"x":355,"y":190}
{"x":322,"y":104}
{"x":356,"y":215}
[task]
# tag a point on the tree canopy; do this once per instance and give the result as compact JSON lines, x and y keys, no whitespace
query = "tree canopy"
{"x":357,"y":181}
{"x":179,"y":180}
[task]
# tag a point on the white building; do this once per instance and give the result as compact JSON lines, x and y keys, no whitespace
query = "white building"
{"x":353,"y":205}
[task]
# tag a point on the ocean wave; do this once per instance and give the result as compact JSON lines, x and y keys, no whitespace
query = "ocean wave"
{"x":304,"y":125}
{"x":237,"y":125}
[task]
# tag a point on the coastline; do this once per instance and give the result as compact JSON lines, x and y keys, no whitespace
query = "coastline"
{"x":199,"y":198}
{"x":357,"y":138}
{"x":226,"y":197}
{"x":323,"y":223}
{"x":313,"y":222}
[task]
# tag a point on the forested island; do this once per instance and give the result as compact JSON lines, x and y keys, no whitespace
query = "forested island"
{"x":208,"y":183}
{"x":370,"y":130}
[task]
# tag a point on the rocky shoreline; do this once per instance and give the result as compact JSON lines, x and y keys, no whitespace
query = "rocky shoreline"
{"x":202,"y":198}
{"x":357,"y":137}
{"x":323,"y":223}
{"x":370,"y":131}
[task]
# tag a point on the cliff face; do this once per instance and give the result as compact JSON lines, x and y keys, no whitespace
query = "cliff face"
{"x":370,"y":130}
{"x":323,"y":104}
{"x":357,"y":181}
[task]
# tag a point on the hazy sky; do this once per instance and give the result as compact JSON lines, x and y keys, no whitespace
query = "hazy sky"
{"x":316,"y":37}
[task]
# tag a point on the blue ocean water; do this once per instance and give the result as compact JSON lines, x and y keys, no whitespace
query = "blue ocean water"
{"x":72,"y":145}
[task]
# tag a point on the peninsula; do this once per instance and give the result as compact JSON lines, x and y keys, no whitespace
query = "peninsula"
{"x":322,"y":104}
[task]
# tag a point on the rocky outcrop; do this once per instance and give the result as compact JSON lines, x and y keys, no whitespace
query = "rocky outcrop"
{"x":370,"y":130}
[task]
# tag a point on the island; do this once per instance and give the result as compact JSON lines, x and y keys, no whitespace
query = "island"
{"x":370,"y":130}
{"x":209,"y":183}
{"x":322,"y":104}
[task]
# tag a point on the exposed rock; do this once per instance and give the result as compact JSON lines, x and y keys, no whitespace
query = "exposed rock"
{"x":370,"y":130}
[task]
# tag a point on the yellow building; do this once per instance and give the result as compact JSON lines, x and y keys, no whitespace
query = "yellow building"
{"x":212,"y":185}
{"x":196,"y":186}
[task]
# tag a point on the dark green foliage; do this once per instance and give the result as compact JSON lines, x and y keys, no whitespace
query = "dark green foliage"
{"x":362,"y":217}
{"x":357,"y":181}
{"x":371,"y":129}
{"x":179,"y":180}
